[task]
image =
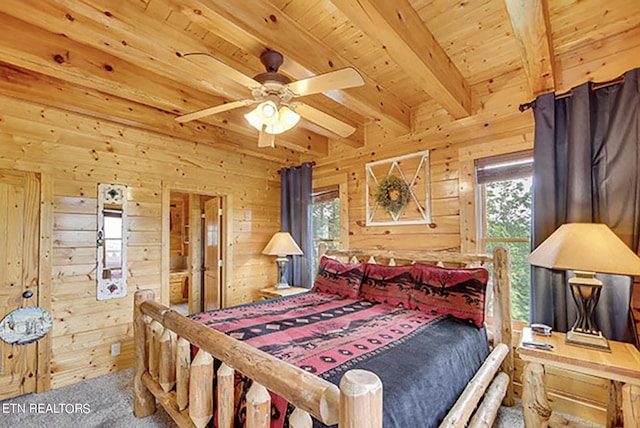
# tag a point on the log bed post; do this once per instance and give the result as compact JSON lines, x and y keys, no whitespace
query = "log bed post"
{"x":201,"y":389}
{"x":225,"y":396}
{"x":300,"y":419}
{"x":360,"y":400}
{"x":258,"y":407}
{"x":502,"y":313}
{"x":183,"y":368}
{"x":144,"y":403}
{"x":154,"y":330}
{"x":167,"y":366}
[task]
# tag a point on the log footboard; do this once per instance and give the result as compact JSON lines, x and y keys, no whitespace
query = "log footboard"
{"x":165,"y":373}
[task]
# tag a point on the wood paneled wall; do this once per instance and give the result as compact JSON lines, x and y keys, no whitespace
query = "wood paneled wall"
{"x":497,"y":126}
{"x":496,"y":122}
{"x":75,"y":153}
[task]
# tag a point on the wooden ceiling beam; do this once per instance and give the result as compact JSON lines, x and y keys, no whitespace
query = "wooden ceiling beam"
{"x":273,"y":29}
{"x":399,"y":28}
{"x":48,"y":91}
{"x":530,"y":22}
{"x":64,"y":58}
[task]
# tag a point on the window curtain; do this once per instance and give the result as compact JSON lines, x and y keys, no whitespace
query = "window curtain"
{"x":586,"y":169}
{"x":295,"y":218}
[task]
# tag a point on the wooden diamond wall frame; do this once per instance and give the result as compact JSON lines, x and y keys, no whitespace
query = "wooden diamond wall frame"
{"x":413,"y":170}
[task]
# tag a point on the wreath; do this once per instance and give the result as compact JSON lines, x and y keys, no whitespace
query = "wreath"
{"x":392,"y":194}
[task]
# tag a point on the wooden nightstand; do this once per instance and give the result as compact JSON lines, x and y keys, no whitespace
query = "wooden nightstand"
{"x":621,"y":367}
{"x":272,"y":293}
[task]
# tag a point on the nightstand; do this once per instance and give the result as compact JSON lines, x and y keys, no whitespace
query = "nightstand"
{"x":272,"y":292}
{"x":621,"y":367}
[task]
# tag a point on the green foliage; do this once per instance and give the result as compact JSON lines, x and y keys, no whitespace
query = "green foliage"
{"x":392,"y":194}
{"x":508,"y":211}
{"x":325,"y":224}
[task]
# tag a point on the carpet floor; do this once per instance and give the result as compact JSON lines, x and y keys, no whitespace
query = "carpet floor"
{"x":107,"y":402}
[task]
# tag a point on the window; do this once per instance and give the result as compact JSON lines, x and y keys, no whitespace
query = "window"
{"x":325,"y":220}
{"x":504,"y":184}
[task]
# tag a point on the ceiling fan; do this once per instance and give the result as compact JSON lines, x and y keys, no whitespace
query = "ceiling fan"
{"x":274,"y":92}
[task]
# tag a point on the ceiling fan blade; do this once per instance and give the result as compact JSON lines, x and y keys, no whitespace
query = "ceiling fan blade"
{"x":213,"y":110}
{"x":339,"y":79}
{"x":323,"y":119}
{"x":265,"y":139}
{"x":220,"y":68}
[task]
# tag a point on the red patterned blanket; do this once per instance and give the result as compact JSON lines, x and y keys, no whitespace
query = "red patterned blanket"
{"x":321,"y":333}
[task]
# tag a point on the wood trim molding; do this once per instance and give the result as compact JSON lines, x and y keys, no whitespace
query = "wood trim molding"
{"x":43,"y":375}
{"x":226,"y":244}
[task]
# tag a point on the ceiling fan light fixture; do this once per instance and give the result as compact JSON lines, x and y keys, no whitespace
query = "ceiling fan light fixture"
{"x":274,"y":120}
{"x":287,"y":120}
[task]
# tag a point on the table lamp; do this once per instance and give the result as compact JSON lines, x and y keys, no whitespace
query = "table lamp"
{"x":282,"y":245}
{"x":586,"y":248}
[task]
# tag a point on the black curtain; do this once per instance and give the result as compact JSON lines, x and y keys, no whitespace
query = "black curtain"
{"x":295,"y":218}
{"x":586,"y":169}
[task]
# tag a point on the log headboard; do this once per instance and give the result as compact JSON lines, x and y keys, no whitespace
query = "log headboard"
{"x":499,"y":327}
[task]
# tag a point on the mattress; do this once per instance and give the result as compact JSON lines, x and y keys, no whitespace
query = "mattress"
{"x":423,"y":360}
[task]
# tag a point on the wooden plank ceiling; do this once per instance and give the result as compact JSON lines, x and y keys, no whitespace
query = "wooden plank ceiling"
{"x":122,"y":60}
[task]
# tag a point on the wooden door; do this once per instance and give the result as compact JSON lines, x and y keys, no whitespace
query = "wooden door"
{"x":19,"y":231}
{"x":211,"y":250}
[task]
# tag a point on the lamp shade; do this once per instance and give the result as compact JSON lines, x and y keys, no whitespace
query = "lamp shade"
{"x":591,"y":247}
{"x":274,"y":120}
{"x":282,"y":244}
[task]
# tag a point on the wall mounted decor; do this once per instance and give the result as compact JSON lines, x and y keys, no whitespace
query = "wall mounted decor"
{"x":25,"y":325}
{"x":111,"y":276}
{"x":398,"y":190}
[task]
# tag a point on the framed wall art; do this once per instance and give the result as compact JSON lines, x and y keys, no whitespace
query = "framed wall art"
{"x":398,"y":190}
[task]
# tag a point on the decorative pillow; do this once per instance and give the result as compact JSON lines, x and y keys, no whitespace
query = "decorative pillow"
{"x":387,"y":284}
{"x":445,"y":291}
{"x":338,"y":278}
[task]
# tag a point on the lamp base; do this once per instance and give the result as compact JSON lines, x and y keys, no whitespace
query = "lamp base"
{"x":585,"y":289}
{"x":282,"y":273}
{"x":587,"y":340}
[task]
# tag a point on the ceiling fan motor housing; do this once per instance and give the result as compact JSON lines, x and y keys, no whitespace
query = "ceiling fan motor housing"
{"x":275,"y":91}
{"x":272,"y":60}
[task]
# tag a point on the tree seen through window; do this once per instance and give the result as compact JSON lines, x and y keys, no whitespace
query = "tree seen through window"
{"x":508,"y":223}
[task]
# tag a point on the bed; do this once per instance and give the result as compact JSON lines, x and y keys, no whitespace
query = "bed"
{"x":321,"y":358}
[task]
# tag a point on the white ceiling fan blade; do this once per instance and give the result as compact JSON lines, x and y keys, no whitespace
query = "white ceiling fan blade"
{"x":339,"y":79}
{"x":265,"y":139}
{"x":218,"y":67}
{"x":323,"y":119}
{"x":213,"y":110}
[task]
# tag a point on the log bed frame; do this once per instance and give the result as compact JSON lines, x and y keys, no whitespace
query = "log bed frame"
{"x":164,"y":371}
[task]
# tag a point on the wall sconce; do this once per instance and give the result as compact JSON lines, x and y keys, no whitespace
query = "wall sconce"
{"x":282,"y":245}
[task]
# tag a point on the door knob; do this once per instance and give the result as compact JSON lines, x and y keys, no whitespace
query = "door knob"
{"x":27,"y":294}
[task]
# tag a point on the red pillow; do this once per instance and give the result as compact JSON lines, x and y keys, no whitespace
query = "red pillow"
{"x":445,"y":291}
{"x":387,"y":284}
{"x":338,"y":278}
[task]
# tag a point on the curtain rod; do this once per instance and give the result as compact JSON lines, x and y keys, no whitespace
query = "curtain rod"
{"x":312,"y":163}
{"x":594,"y":86}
